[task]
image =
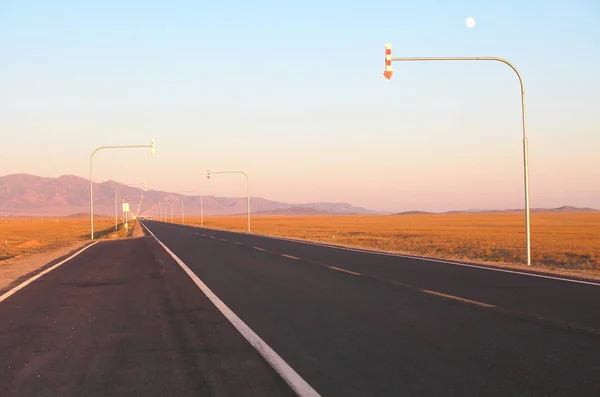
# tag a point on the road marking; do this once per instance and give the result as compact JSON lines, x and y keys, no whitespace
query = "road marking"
{"x":457,"y":298}
{"x":235,"y":242}
{"x":211,"y":237}
{"x":290,"y":256}
{"x":260,"y":249}
{"x":291,"y":377}
{"x":343,"y":270}
{"x":32,"y":279}
{"x":370,"y":252}
{"x":222,"y":239}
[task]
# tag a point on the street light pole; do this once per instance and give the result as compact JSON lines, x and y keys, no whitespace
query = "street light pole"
{"x":388,"y":75}
{"x":201,"y":210}
{"x":153,"y":152}
{"x":126,"y":197}
{"x":167,"y":203}
{"x":208,"y":172}
{"x":160,"y":209}
{"x":182,"y":207}
{"x":116,"y":200}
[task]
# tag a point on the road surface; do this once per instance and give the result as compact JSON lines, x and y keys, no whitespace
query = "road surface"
{"x":122,"y":319}
{"x":124,"y":316}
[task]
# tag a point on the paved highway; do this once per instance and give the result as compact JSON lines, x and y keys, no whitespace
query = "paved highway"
{"x":357,"y":324}
{"x":122,"y":319}
{"x":124,"y":316}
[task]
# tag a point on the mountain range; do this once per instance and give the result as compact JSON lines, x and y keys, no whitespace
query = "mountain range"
{"x":24,"y":194}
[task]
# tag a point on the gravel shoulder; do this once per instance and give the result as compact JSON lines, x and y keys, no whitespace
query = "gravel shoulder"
{"x":13,"y":271}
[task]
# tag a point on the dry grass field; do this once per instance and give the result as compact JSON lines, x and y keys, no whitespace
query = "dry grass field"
{"x":569,"y":241}
{"x":21,"y":237}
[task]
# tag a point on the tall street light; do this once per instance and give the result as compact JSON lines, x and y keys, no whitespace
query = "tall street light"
{"x":208,"y":172}
{"x":116,"y":199}
{"x":388,"y":75}
{"x":153,"y":152}
{"x":201,"y":209}
{"x":166,"y":202}
{"x":182,"y":207}
{"x":160,"y":212}
{"x":141,"y":197}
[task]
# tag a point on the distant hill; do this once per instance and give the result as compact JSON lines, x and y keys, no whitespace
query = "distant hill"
{"x":565,"y":208}
{"x":24,"y":194}
{"x":295,"y":210}
{"x":414,"y":213}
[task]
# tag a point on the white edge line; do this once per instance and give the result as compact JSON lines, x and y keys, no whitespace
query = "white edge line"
{"x":364,"y":251}
{"x":291,"y":377}
{"x":32,"y":279}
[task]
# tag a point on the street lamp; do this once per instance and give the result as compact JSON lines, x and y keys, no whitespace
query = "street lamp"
{"x":208,"y":172}
{"x":152,"y":152}
{"x":116,"y":200}
{"x":388,"y":75}
{"x":201,"y":209}
{"x":167,"y":203}
{"x":141,"y":197}
{"x":182,"y":208}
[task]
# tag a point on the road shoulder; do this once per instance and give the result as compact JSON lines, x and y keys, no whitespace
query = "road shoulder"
{"x":13,"y":273}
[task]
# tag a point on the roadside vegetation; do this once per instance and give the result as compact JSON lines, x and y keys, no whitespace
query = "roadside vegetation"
{"x":560,"y":241}
{"x":22,"y":237}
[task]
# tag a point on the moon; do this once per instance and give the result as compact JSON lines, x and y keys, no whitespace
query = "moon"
{"x":470,"y":22}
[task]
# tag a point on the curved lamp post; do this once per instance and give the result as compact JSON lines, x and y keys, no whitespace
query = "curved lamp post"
{"x":116,"y":200}
{"x":208,"y":173}
{"x":388,"y":75}
{"x":153,"y":152}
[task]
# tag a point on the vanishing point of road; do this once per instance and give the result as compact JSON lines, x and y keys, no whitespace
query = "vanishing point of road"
{"x":186,"y":311}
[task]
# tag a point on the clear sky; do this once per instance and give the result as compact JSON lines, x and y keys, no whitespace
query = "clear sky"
{"x":293,"y":94}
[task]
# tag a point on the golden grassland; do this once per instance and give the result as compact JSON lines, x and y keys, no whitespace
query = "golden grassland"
{"x":21,"y":237}
{"x":569,"y":241}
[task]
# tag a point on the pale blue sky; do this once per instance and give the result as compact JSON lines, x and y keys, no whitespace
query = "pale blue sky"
{"x":293,"y":93}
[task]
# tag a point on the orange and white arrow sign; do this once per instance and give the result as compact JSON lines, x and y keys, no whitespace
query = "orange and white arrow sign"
{"x":388,"y":62}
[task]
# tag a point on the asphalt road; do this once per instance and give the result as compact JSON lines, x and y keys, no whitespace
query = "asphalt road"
{"x":378,"y":325}
{"x":123,"y":318}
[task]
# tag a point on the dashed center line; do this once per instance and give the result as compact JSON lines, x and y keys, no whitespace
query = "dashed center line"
{"x":426,"y":291}
{"x":344,"y":270}
{"x":458,"y":298}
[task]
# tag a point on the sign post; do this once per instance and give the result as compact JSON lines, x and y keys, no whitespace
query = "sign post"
{"x":126,"y":210}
